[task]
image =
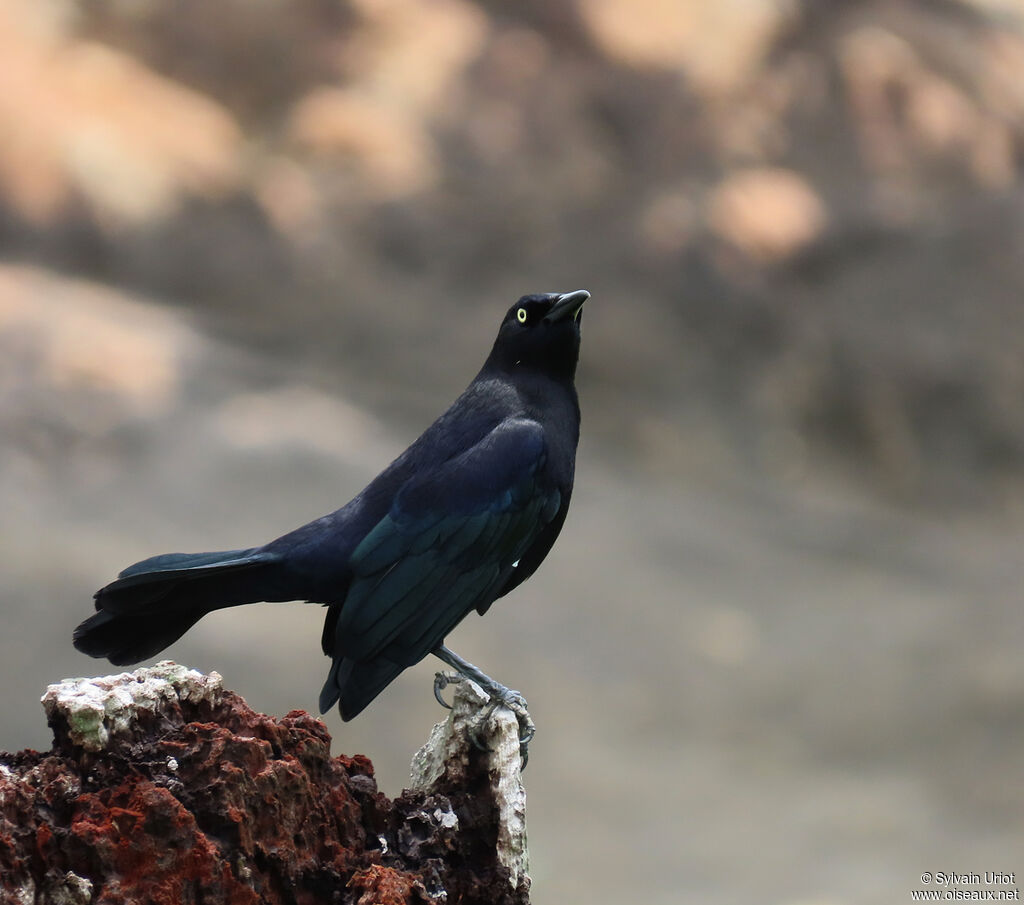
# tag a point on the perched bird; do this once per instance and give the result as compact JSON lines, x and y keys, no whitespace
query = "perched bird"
{"x":458,"y":520}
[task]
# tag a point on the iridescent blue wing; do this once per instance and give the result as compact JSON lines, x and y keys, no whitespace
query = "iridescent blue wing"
{"x":446,"y":547}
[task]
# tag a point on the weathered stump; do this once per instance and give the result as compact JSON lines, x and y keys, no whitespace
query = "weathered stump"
{"x":162,"y":787}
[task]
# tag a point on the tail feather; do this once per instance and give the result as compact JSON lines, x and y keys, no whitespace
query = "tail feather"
{"x":353,"y":685}
{"x":125,"y":640}
{"x":168,"y":562}
{"x":148,"y":582}
{"x":157,"y":600}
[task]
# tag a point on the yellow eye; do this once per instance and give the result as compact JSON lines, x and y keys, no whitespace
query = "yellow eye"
{"x":521,"y":314}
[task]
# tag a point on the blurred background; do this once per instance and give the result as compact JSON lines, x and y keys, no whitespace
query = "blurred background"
{"x":249,"y":250}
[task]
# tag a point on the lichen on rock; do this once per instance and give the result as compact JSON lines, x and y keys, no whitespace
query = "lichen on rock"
{"x":96,"y":709}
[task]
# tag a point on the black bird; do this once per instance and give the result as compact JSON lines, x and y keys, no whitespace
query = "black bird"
{"x":458,"y":520}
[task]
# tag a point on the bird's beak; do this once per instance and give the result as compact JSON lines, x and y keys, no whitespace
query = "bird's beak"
{"x":568,"y":304}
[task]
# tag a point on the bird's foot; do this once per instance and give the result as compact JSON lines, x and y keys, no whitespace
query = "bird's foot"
{"x":499,"y":695}
{"x":515,"y":702}
{"x":441,"y":681}
{"x":511,"y":700}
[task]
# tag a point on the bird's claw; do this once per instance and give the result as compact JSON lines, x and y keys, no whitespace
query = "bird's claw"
{"x":527,"y":729}
{"x":441,"y":681}
{"x":513,"y":700}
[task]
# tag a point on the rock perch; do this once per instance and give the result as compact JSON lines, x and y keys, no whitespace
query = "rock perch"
{"x":163,"y":787}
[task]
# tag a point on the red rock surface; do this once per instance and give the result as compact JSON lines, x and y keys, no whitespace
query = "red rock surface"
{"x":208,"y":801}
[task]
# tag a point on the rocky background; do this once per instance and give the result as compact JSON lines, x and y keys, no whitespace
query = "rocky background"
{"x":247,"y":251}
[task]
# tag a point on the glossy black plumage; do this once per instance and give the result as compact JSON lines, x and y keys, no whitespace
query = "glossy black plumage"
{"x":462,"y":517}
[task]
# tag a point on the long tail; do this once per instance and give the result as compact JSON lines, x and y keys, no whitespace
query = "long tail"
{"x":154,"y":602}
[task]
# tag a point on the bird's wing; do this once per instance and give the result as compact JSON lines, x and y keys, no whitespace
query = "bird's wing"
{"x":450,"y":539}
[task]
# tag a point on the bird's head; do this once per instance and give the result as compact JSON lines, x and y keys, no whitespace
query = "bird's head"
{"x":541,"y":333}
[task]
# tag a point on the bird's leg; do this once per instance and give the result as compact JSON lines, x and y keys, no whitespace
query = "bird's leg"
{"x":500,"y":695}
